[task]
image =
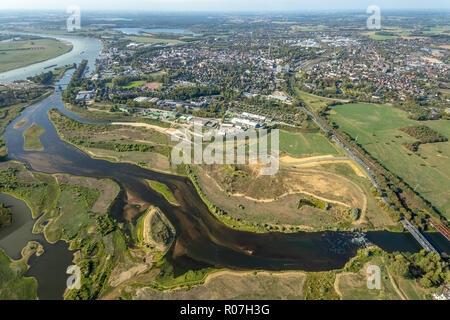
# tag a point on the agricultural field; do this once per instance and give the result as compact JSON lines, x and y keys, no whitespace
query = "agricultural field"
{"x":16,"y":54}
{"x":375,"y":36}
{"x":377,"y":129}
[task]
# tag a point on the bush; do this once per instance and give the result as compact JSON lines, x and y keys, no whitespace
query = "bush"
{"x":353,"y":213}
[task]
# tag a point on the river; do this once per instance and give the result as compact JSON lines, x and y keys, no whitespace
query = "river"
{"x":201,"y":239}
{"x":83,"y":48}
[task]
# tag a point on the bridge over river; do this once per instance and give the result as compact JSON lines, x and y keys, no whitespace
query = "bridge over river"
{"x":418,"y":236}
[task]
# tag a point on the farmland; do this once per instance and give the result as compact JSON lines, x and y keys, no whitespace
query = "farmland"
{"x":16,"y":54}
{"x":377,"y":129}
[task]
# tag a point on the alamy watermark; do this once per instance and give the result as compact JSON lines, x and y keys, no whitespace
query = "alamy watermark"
{"x":238,"y":147}
{"x":74,"y":281}
{"x":74,"y":20}
{"x":374,"y":21}
{"x":374,"y":279}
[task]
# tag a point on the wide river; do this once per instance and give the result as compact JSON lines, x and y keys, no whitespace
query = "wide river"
{"x":201,"y":239}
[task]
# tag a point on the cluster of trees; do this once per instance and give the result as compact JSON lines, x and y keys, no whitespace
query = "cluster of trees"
{"x":104,"y":225}
{"x":67,"y":124}
{"x":412,"y":146}
{"x":272,"y":108}
{"x":118,"y":147}
{"x":124,"y":80}
{"x":160,"y":231}
{"x":312,"y":203}
{"x":8,"y":179}
{"x":420,"y":109}
{"x":188,"y":93}
{"x":427,"y":268}
{"x":45,"y":78}
{"x":48,"y":78}
{"x":5,"y":215}
{"x":75,"y":84}
{"x":353,"y":213}
{"x":10,"y":97}
{"x":424,"y":134}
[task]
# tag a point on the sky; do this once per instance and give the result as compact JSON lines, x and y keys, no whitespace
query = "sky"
{"x":223,"y":5}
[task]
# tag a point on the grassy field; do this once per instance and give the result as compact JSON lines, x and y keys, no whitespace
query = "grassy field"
{"x":230,"y":285}
{"x":320,"y":286}
{"x":34,"y":188}
{"x":300,"y":144}
{"x":271,"y":202}
{"x":352,"y":282}
{"x":16,"y":54}
{"x":102,"y":145}
{"x":352,"y":286}
{"x":134,"y":84}
{"x":74,"y":209}
{"x":312,"y":101}
{"x":7,"y":115}
{"x":13,"y":285}
{"x":374,"y":36}
{"x":376,"y":128}
{"x":31,"y":135}
{"x":73,"y":204}
{"x":164,"y":190}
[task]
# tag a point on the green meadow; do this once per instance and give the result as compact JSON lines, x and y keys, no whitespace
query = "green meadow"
{"x":296,"y":144}
{"x":164,"y":190}
{"x":31,"y":138}
{"x":376,"y":128}
{"x":134,"y":84}
{"x":13,"y":285}
{"x":16,"y":54}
